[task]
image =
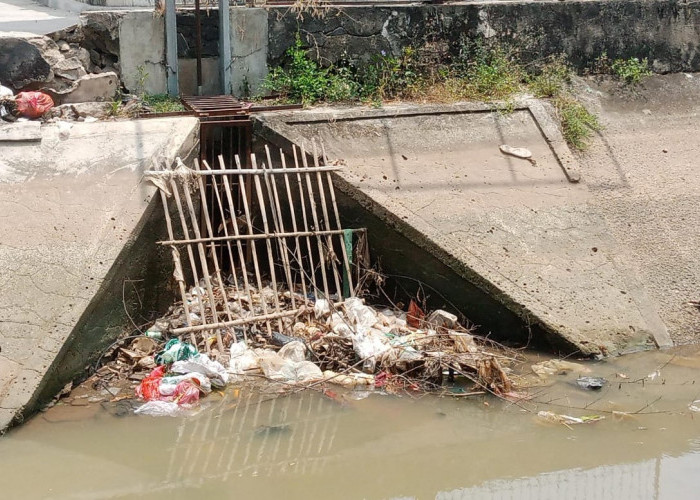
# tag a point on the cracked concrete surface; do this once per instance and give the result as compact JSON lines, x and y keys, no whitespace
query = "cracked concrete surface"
{"x":72,"y":207}
{"x":606,"y":264}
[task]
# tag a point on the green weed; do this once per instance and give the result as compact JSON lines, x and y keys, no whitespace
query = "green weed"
{"x":552,"y":79}
{"x":578,"y":124}
{"x":631,"y":71}
{"x":162,"y":103}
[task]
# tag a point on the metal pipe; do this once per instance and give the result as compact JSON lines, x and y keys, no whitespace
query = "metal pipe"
{"x":198,"y":36}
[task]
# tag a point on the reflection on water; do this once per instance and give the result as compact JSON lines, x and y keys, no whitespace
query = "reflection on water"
{"x":310,"y":446}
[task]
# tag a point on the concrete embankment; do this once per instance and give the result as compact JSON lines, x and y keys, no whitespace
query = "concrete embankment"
{"x":77,"y":254}
{"x":596,"y":266}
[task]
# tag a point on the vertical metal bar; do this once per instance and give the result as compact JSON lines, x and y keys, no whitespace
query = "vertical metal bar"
{"x":249,"y":223}
{"x":292,"y":212}
{"x":263,"y":213}
{"x":198,"y":41}
{"x":305,"y":221}
{"x":326,"y":219}
{"x":179,"y":275}
{"x":225,"y":47}
{"x":279,"y":225}
{"x":346,"y":259}
{"x":171,"y":48}
{"x":317,"y":227}
{"x":215,"y":258}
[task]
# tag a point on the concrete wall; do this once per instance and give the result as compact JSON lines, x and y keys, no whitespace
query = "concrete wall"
{"x":665,"y":31}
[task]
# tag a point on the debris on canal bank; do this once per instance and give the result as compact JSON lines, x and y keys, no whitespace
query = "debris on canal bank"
{"x":350,"y":344}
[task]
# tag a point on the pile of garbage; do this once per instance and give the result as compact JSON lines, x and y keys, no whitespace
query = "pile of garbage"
{"x":30,"y":105}
{"x":347,"y":343}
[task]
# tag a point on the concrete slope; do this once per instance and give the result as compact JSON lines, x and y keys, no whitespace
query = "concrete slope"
{"x":77,"y":224}
{"x":537,"y":243}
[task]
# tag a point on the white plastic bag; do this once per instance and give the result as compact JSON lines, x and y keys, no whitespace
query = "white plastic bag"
{"x":242,"y":360}
{"x":164,"y":409}
{"x":369,"y":346}
{"x":360,"y":315}
{"x":293,"y":351}
{"x":340,"y":325}
{"x":289,"y":365}
{"x":321,"y":308}
{"x":202,"y":364}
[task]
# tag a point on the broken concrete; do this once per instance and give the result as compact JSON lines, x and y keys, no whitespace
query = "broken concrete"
{"x":78,"y":248}
{"x":553,"y":252}
{"x":90,"y":88}
{"x":21,"y":62}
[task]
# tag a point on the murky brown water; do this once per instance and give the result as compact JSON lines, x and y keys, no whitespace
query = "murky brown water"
{"x":309,"y":446}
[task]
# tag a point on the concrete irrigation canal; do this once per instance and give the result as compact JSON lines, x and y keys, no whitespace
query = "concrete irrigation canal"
{"x":329,"y":235}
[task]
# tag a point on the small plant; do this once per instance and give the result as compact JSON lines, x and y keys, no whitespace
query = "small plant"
{"x":162,"y":103}
{"x":303,"y":80}
{"x":141,"y":79}
{"x":631,"y":71}
{"x":552,"y":79}
{"x":578,"y":124}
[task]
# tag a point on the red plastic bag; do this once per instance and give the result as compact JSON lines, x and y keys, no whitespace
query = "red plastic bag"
{"x":33,"y":104}
{"x":186,"y":393}
{"x":148,"y":388}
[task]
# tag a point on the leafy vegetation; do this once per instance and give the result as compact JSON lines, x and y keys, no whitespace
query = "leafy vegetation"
{"x":631,"y":71}
{"x":478,"y":72}
{"x":162,"y":103}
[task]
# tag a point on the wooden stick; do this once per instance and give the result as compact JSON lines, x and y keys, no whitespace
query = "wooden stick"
{"x":321,"y":253}
{"x":268,"y":244}
{"x":244,"y":321}
{"x":346,"y":260}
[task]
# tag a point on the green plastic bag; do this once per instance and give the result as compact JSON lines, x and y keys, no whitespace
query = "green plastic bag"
{"x":176,"y":350}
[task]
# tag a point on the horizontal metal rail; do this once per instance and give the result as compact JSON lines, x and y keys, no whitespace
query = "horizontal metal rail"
{"x":250,"y":171}
{"x":261,"y":236}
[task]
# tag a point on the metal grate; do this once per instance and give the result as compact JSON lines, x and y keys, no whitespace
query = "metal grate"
{"x":287,"y":226}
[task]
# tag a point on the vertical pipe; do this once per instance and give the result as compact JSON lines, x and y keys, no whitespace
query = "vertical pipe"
{"x":198,"y":35}
{"x":225,"y":48}
{"x":171,"y":48}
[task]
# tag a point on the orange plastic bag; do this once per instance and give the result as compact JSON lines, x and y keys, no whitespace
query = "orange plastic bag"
{"x":415,"y":315}
{"x":33,"y":104}
{"x":148,"y":388}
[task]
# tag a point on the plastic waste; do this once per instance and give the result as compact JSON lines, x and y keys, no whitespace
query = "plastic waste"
{"x":148,"y":389}
{"x":33,"y":104}
{"x":242,"y":360}
{"x":348,"y":379}
{"x":567,"y":419}
{"x":168,"y":385}
{"x":200,"y":363}
{"x":339,"y":325}
{"x":522,"y":153}
{"x":321,"y":308}
{"x":360,"y":315}
{"x":370,"y":346}
{"x":5,"y":92}
{"x":288,"y":365}
{"x":163,"y":409}
{"x":280,"y":339}
{"x":440,"y":318}
{"x":592,"y":383}
{"x":186,"y":393}
{"x":175,"y":350}
{"x":415,"y":314}
{"x":557,"y":367}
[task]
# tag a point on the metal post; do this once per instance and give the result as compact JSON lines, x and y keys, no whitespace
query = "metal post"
{"x":198,"y":35}
{"x":225,"y":47}
{"x":171,"y":48}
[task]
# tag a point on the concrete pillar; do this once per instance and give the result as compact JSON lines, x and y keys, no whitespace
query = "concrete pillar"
{"x":171,"y":47}
{"x":224,"y":46}
{"x":248,"y":50}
